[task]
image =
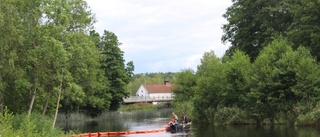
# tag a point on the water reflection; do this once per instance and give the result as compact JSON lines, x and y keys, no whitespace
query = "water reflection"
{"x":118,"y":121}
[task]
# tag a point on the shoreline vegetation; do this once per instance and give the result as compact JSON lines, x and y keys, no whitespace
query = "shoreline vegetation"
{"x":22,"y":125}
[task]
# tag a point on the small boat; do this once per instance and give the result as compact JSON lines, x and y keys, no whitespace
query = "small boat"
{"x":173,"y":128}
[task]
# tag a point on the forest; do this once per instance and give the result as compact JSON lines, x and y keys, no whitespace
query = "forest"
{"x":53,"y":59}
{"x":269,"y":75}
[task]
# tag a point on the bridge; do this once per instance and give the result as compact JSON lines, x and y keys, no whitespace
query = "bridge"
{"x":137,"y":99}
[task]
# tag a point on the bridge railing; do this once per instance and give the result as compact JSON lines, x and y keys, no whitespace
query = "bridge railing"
{"x":147,"y":99}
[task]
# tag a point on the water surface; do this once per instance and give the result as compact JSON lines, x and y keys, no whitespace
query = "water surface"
{"x":148,"y":120}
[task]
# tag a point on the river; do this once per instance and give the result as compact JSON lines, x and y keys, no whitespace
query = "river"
{"x":148,"y":120}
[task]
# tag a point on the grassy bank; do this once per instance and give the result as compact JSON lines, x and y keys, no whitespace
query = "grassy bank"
{"x":28,"y":126}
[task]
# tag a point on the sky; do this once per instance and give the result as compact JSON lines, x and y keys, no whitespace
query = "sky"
{"x":163,"y":35}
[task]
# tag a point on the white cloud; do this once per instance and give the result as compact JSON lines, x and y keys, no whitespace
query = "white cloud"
{"x":163,"y":35}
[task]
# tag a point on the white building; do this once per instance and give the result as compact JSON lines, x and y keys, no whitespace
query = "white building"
{"x":156,"y":90}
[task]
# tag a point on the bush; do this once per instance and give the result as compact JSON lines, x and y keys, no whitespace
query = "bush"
{"x":312,"y":118}
{"x":24,"y":126}
{"x":6,"y":129}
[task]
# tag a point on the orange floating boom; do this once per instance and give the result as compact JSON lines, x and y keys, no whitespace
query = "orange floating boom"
{"x":118,"y":133}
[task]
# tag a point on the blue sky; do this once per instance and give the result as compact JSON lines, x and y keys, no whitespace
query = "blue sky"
{"x":163,"y":35}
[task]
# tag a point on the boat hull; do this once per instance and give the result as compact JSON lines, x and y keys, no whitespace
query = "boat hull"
{"x":178,"y":128}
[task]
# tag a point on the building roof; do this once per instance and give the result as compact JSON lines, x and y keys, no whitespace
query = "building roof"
{"x":159,"y":88}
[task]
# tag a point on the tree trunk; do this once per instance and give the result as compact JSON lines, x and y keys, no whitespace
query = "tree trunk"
{"x":57,"y":109}
{"x":58,"y":102}
{"x":33,"y":96}
{"x":45,"y":106}
{"x":1,"y":103}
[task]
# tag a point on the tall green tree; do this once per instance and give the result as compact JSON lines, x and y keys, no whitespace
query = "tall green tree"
{"x":47,"y":52}
{"x":87,"y":89}
{"x":276,"y":85}
{"x":237,"y":72}
{"x":305,"y":28}
{"x":252,"y":24}
{"x":114,"y":68}
{"x":210,"y":83}
{"x":27,"y":16}
{"x":129,"y":69}
{"x":265,"y":89}
{"x":10,"y":43}
{"x":307,"y":76}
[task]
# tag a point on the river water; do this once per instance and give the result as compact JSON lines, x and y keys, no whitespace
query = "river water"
{"x":148,"y":120}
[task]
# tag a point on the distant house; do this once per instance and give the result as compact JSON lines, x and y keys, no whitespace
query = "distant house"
{"x":156,"y":90}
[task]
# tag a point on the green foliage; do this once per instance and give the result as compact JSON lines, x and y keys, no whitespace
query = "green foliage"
{"x":184,"y":107}
{"x":23,"y":125}
{"x":307,"y":77}
{"x":281,"y":85}
{"x":210,"y":84}
{"x":267,"y":89}
{"x":129,"y":69}
{"x":185,"y":85}
{"x":236,"y":80}
{"x":305,"y":28}
{"x":252,"y":24}
{"x":48,"y":47}
{"x":311,"y":118}
{"x":114,"y":69}
{"x":6,"y":128}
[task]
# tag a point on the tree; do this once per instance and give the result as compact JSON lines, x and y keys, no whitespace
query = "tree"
{"x":307,"y":76}
{"x":46,"y":53}
{"x":210,"y":83}
{"x":114,"y":68}
{"x":87,"y":89}
{"x":274,"y":76}
{"x":129,"y":69}
{"x":185,"y":85}
{"x":237,"y":72}
{"x":305,"y":28}
{"x":10,"y":69}
{"x":252,"y":24}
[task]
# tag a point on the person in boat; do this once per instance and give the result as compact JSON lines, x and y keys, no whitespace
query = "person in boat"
{"x":185,"y":118}
{"x":175,"y":119}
